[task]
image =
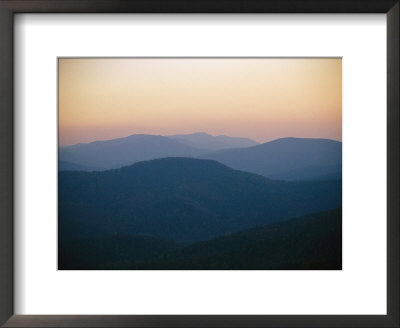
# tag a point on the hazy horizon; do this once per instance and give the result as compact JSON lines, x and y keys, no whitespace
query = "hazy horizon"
{"x":199,"y":132}
{"x":262,"y":99}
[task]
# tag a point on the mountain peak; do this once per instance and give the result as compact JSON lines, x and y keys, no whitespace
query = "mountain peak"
{"x":203,"y":140}
{"x":286,"y":158}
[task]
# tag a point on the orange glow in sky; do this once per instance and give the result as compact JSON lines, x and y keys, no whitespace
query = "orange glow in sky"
{"x":261,"y":98}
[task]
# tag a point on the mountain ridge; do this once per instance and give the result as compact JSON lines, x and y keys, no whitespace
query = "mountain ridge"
{"x":204,"y":140}
{"x":285,"y":158}
{"x":115,"y":153}
{"x":312,"y":241}
{"x":182,"y":199}
{"x":119,"y":152}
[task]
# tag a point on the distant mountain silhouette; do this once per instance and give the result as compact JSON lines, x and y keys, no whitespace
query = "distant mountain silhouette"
{"x":286,"y":159}
{"x":115,"y":153}
{"x":212,"y":143}
{"x":181,"y":199}
{"x":282,"y":159}
{"x":309,"y":242}
{"x":68,"y":166}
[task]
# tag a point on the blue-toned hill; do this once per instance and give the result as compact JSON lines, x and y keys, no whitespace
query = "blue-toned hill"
{"x":115,"y":153}
{"x":311,"y":242}
{"x":68,"y":166}
{"x":181,"y":199}
{"x":208,"y":142}
{"x":287,"y":159}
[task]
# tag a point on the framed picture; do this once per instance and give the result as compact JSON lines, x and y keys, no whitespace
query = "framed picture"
{"x":163,"y":190}
{"x":203,"y":164}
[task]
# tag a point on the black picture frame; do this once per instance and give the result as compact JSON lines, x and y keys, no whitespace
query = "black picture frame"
{"x":10,"y":7}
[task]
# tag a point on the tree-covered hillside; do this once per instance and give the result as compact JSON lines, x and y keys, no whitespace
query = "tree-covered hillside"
{"x":309,"y":242}
{"x":181,"y":199}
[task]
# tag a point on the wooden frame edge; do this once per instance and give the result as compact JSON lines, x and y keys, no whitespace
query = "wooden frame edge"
{"x":6,"y":165}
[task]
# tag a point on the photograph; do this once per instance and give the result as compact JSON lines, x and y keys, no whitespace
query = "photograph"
{"x":199,"y":163}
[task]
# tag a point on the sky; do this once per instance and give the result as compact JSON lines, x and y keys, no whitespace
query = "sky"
{"x":259,"y":98}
